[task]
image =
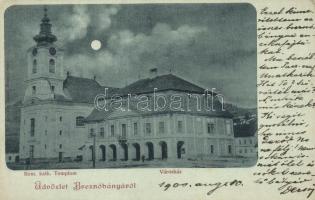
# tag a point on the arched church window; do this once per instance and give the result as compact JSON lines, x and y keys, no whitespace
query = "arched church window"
{"x":52,"y":66}
{"x":34,"y":69}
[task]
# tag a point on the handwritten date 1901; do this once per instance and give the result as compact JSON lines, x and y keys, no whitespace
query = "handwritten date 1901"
{"x":214,"y":186}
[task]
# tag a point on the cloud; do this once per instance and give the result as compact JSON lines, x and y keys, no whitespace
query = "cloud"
{"x":75,"y":25}
{"x":130,"y":55}
{"x":103,"y":17}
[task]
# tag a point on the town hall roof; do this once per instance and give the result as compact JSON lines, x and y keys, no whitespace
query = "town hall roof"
{"x":167,"y":82}
{"x":162,"y":83}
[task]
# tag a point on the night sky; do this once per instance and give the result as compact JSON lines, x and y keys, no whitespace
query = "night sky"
{"x":212,"y":45}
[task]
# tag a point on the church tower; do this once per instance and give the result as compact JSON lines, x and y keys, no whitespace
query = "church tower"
{"x":45,"y":72}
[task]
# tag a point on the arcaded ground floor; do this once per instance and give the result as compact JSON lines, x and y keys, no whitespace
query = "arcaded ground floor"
{"x":157,"y":149}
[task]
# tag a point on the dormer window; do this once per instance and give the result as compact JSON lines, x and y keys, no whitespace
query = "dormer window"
{"x":52,"y":66}
{"x":34,"y":69}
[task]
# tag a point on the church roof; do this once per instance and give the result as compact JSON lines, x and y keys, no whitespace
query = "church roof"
{"x":84,"y":90}
{"x":162,"y":83}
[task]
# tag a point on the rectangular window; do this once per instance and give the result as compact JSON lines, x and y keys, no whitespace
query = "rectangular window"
{"x":91,"y":132}
{"x":123,"y":130}
{"x":211,"y":149}
{"x":112,"y":130}
{"x":102,"y":132}
{"x":210,"y":128}
{"x":180,"y":126}
{"x":230,"y":149}
{"x":161,"y":127}
{"x":148,"y":128}
{"x":52,"y":88}
{"x":79,"y":121}
{"x":60,"y":132}
{"x":32,"y":127}
{"x":135,"y":128}
{"x":33,"y":90}
{"x":228,"y":127}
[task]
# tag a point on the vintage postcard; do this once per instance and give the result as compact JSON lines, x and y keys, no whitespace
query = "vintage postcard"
{"x":160,"y":100}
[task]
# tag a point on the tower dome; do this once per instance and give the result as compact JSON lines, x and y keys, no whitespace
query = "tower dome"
{"x":45,"y":35}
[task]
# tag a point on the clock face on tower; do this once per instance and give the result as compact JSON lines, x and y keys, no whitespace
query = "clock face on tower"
{"x":52,"y":51}
{"x":34,"y":52}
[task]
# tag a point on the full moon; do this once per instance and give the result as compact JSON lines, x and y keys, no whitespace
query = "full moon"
{"x":96,"y":45}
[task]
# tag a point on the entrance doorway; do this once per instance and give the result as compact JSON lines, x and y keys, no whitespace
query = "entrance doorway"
{"x":163,"y":146}
{"x":180,"y":149}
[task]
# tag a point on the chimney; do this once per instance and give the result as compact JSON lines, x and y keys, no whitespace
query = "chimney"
{"x":68,"y":73}
{"x":94,"y":77}
{"x":153,"y":72}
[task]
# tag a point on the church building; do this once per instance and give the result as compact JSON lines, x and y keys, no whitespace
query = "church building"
{"x":55,"y":103}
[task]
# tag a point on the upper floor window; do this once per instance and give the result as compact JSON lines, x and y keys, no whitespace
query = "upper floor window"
{"x":123,"y":130}
{"x":210,"y":128}
{"x":148,"y":128}
{"x":211,"y":149}
{"x":32,"y":131}
{"x":52,"y":88}
{"x":229,"y":149}
{"x":52,"y":66}
{"x":135,"y":128}
{"x":199,"y":126}
{"x":33,"y":90}
{"x":91,"y":132}
{"x":228,"y":127}
{"x":112,"y":130}
{"x":161,"y":127}
{"x":79,"y":121}
{"x":34,"y":68}
{"x":180,"y":126}
{"x":102,"y":132}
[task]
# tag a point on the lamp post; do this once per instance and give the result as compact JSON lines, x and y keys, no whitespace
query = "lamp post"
{"x":94,"y":152}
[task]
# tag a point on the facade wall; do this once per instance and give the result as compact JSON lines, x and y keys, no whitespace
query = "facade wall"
{"x":246,"y":146}
{"x":55,"y":130}
{"x":192,"y":139}
{"x":11,"y":157}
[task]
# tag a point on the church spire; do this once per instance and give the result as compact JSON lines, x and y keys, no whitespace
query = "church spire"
{"x":45,"y":36}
